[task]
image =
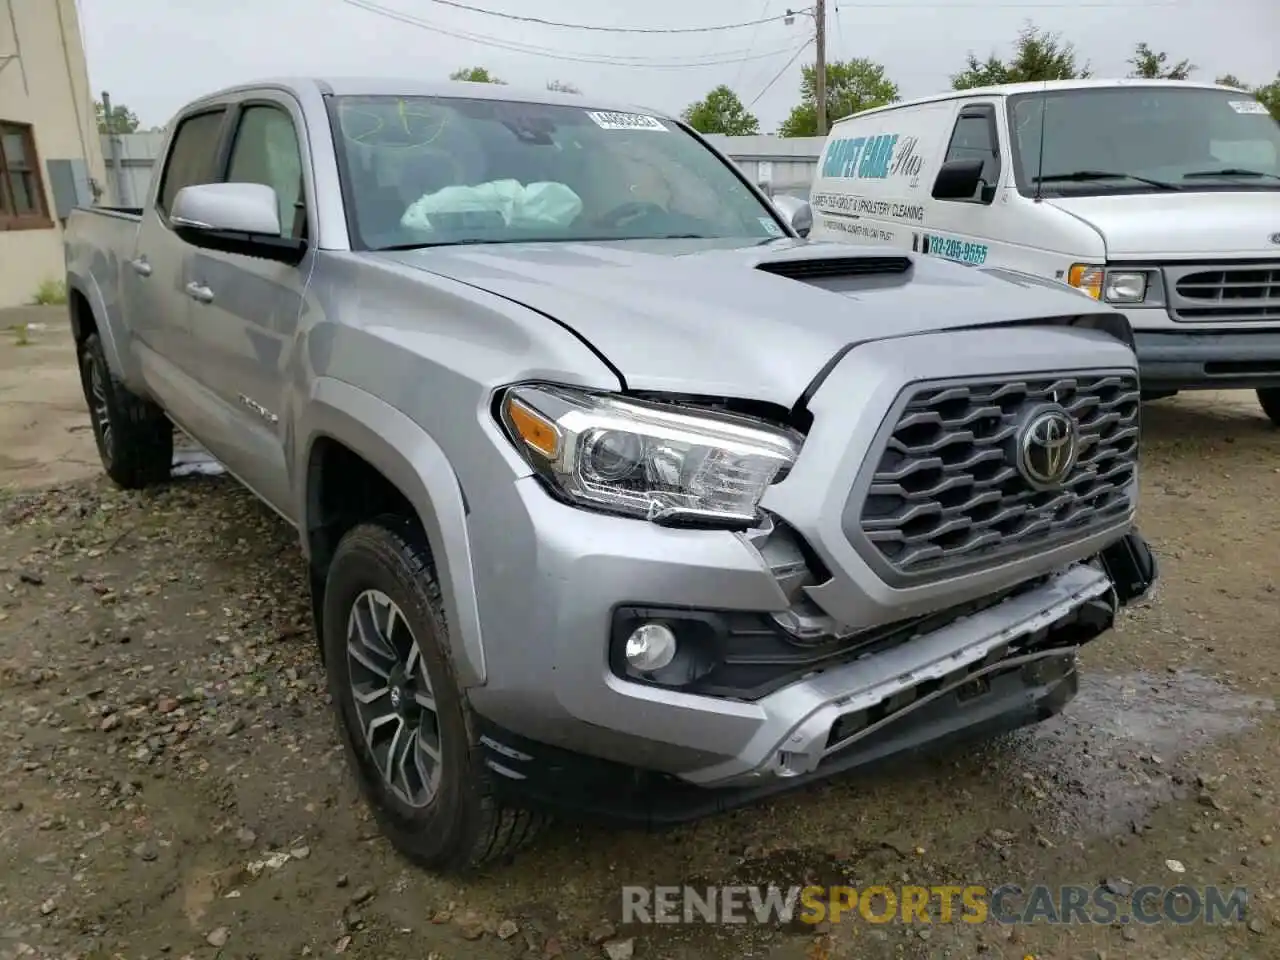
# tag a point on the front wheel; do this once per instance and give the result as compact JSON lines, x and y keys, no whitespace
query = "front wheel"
{"x":134,"y":437}
{"x":407,"y":728}
{"x":1269,"y":398}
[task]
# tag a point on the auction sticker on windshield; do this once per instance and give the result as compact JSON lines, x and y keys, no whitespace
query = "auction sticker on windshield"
{"x":625,"y":121}
{"x":1247,"y":106}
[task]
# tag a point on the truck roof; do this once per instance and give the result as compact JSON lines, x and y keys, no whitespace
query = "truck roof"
{"x":1038,"y":86}
{"x":418,"y":87}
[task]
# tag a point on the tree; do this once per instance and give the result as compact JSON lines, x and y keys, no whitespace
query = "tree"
{"x":852,"y":86}
{"x":123,"y":120}
{"x":1231,"y":80}
{"x":559,"y":86}
{"x":1037,"y":55}
{"x":1151,"y":65}
{"x":720,"y":111}
{"x":475,"y":75}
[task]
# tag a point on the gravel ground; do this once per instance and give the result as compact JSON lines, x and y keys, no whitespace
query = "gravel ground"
{"x":171,"y":782}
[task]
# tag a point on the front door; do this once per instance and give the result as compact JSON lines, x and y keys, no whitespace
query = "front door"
{"x":244,"y":322}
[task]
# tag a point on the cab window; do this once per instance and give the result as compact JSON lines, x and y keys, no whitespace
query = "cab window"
{"x":192,"y":155}
{"x":265,"y":151}
{"x":975,"y":138}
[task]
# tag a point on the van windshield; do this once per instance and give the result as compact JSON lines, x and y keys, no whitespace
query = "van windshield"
{"x":1142,"y":139}
{"x":426,"y":171}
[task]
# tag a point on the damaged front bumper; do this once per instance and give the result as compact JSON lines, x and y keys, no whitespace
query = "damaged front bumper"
{"x":998,"y":669}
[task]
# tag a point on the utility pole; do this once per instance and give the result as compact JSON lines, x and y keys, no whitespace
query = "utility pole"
{"x":113,"y":143}
{"x":820,"y":69}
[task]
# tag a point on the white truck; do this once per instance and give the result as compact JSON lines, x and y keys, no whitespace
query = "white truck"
{"x":1161,"y":197}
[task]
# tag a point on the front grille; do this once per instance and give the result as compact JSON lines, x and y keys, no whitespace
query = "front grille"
{"x":1241,"y":293}
{"x":947,"y":496}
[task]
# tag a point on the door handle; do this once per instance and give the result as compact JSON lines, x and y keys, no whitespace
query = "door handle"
{"x":141,"y":267}
{"x":199,"y":292}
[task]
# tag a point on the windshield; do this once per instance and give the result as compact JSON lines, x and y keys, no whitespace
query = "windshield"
{"x":1143,"y":139}
{"x":422,"y":171}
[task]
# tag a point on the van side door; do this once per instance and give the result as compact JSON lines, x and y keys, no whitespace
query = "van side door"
{"x":972,"y":229}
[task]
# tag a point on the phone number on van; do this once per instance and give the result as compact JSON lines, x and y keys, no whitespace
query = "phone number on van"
{"x":950,"y":248}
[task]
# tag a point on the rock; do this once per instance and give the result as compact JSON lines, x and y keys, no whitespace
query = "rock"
{"x":1003,"y":836}
{"x":218,"y":937}
{"x":352,"y":918}
{"x":47,"y":908}
{"x":31,"y":579}
{"x":471,"y":927}
{"x":145,"y":851}
{"x":300,"y":853}
{"x":246,"y":837}
{"x":1176,"y":866}
{"x":620,"y":949}
{"x":364,"y":893}
{"x":1267,"y":840}
{"x":14,"y":806}
{"x":1257,"y":926}
{"x":507,"y":929}
{"x":604,"y":931}
{"x":342,"y":881}
{"x":1129,"y":934}
{"x":166,"y":705}
{"x":110,"y":722}
{"x":1119,"y":886}
{"x":552,"y":948}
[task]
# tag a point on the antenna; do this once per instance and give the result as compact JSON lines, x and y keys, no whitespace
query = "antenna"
{"x":1044,"y":121}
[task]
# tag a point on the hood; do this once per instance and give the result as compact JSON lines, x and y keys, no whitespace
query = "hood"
{"x":1182,"y":225}
{"x":701,"y":317}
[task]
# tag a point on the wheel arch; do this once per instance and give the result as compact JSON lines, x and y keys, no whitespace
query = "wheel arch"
{"x":342,"y":421}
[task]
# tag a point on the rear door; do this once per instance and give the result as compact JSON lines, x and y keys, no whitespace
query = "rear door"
{"x":156,"y":276}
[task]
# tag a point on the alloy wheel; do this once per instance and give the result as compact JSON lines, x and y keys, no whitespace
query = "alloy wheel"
{"x":393,"y":697}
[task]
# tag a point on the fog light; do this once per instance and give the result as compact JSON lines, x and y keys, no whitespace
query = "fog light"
{"x":650,"y":647}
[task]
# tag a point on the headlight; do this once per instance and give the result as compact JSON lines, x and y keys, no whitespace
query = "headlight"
{"x":1125,"y":286}
{"x":1114,"y":286}
{"x":664,"y":463}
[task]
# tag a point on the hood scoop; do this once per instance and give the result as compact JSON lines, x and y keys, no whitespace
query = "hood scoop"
{"x":836,"y":268}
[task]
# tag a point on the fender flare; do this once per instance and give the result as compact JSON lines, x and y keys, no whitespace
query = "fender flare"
{"x":407,"y":456}
{"x":87,"y":287}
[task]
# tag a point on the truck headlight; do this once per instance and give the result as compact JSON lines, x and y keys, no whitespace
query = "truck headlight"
{"x":665,"y":463}
{"x":1113,"y":286}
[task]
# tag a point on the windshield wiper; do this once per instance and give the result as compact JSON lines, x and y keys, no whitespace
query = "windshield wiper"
{"x":1084,"y":176}
{"x":1230,"y":172}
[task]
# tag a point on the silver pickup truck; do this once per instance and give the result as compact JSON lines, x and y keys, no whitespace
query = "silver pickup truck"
{"x":618,"y":495}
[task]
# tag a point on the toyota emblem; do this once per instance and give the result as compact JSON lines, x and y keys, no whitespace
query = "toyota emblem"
{"x":1047,"y":448}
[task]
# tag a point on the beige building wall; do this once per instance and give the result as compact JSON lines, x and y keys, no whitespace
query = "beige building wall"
{"x":44,"y":81}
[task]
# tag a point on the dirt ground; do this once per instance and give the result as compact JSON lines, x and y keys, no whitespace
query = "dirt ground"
{"x":171,"y":783}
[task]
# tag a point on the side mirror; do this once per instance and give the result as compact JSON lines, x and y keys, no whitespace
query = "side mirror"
{"x":957,"y":180}
{"x":796,"y":212}
{"x":242,"y":218}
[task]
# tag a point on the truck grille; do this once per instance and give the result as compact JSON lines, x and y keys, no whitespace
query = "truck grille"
{"x":947,"y":496}
{"x":1241,"y":293}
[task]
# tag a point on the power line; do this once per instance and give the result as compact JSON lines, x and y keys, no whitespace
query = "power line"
{"x":949,"y":4}
{"x":619,"y":60}
{"x":737,"y":76}
{"x":778,"y":76}
{"x":599,"y":29}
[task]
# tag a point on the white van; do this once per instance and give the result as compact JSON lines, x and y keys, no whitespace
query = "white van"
{"x":1159,"y":196}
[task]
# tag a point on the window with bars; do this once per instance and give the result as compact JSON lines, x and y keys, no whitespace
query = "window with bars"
{"x":22,"y":200}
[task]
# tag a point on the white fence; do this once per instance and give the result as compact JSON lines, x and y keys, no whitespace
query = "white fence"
{"x":783,"y":165}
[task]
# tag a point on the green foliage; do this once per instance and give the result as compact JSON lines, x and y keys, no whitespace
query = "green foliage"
{"x":1268,"y":94}
{"x":122,"y":119}
{"x":721,"y":111}
{"x":51,"y":293}
{"x":475,"y":75}
{"x":559,"y":86}
{"x":1037,"y":55}
{"x":1150,"y":65}
{"x":852,"y":86}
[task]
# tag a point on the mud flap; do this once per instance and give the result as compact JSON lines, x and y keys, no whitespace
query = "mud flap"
{"x":1132,"y":567}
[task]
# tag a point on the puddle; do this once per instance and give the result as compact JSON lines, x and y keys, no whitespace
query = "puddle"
{"x":1111,"y":756}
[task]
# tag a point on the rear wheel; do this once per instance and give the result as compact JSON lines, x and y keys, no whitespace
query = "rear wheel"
{"x":407,"y":728}
{"x":134,"y":437}
{"x":1269,"y":397}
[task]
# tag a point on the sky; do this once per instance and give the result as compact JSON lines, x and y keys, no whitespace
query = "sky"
{"x":155,"y":55}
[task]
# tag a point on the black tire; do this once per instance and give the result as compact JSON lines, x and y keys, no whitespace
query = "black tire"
{"x":134,"y":437}
{"x":464,"y":824}
{"x":1269,"y":397}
